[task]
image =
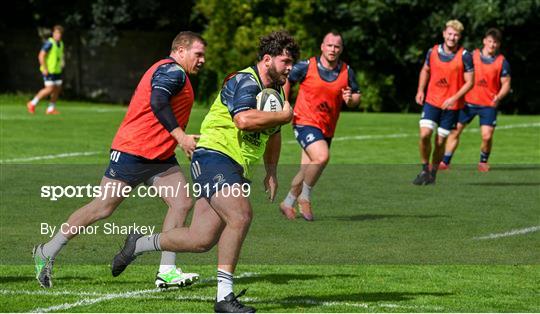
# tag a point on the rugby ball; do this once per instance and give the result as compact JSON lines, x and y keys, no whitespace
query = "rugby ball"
{"x":269,"y":100}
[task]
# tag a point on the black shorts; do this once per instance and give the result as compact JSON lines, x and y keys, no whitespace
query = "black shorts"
{"x":486,"y":115}
{"x":135,"y":170}
{"x":307,"y":135}
{"x":212,"y":170}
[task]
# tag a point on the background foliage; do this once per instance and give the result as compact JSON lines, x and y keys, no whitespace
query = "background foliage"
{"x":385,"y":41}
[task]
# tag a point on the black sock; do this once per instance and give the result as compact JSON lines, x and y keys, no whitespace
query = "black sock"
{"x":447,"y":158}
{"x":484,"y":156}
{"x":425,"y":167}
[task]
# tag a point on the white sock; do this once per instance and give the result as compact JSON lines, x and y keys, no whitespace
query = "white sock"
{"x":34,"y":101}
{"x":224,"y":284}
{"x":306,"y":192}
{"x":290,"y":199}
{"x":148,"y":243}
{"x":168,"y":261}
{"x":51,"y":106}
{"x":51,"y":248}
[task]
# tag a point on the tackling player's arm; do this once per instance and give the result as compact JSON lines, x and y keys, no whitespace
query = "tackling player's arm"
{"x":255,"y":120}
{"x":246,"y":117}
{"x":423,"y":81}
{"x":468,"y":77}
{"x":271,"y":159}
{"x":505,"y":84}
{"x":167,"y":81}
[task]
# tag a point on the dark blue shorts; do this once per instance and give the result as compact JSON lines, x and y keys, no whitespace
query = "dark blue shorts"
{"x":212,"y":170}
{"x":445,"y":119}
{"x":307,"y":135}
{"x":52,"y":79}
{"x":134,"y":170}
{"x":487,"y":115}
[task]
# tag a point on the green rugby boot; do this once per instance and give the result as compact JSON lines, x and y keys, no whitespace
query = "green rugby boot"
{"x":43,"y":266}
{"x":175,"y":278}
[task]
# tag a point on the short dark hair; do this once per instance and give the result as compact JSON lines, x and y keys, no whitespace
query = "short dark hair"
{"x":495,"y":33}
{"x":335,"y":33}
{"x":185,"y":39}
{"x":275,"y":43}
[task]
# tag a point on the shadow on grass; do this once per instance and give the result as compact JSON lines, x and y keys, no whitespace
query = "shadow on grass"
{"x":505,"y":183}
{"x":312,"y":301}
{"x":382,"y":216}
{"x":277,"y":279}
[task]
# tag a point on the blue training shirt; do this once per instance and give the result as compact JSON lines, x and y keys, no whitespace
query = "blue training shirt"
{"x":169,"y":77}
{"x":240,"y":93}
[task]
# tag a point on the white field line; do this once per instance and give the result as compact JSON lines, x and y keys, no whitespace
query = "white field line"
{"x":102,"y":297}
{"x":89,"y":301}
{"x":51,"y":293}
{"x":509,"y":233}
{"x":117,"y":109}
{"x":342,"y":138}
{"x":402,"y":135}
{"x":63,"y":155}
{"x":144,"y":294}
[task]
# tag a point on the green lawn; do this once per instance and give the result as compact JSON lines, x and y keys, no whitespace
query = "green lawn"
{"x":378,"y":244}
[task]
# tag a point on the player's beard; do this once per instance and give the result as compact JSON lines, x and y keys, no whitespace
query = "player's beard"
{"x":275,"y":76}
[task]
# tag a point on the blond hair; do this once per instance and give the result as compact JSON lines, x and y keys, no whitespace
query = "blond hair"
{"x":455,"y":24}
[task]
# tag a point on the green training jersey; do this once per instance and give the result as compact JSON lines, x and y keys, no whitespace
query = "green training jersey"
{"x":218,"y":131}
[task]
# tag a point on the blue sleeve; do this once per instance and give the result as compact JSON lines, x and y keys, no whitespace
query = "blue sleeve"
{"x":46,"y":46}
{"x":240,"y":93}
{"x":160,"y":102}
{"x":467,"y":61}
{"x":427,"y":56}
{"x":506,"y":69}
{"x":169,"y":77}
{"x":353,"y":84}
{"x":299,"y":71}
{"x":167,"y":81}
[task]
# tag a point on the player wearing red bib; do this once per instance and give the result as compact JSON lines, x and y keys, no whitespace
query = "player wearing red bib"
{"x":448,"y":75}
{"x":491,"y":85}
{"x":325,"y":84}
{"x":143,"y":152}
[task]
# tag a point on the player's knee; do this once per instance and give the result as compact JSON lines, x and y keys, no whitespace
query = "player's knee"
{"x":441,"y":141}
{"x":180,"y":207}
{"x":240,"y":219}
{"x":425,"y":136}
{"x":486,"y":137}
{"x":321,"y":159}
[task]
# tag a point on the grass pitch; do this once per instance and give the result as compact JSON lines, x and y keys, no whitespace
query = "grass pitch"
{"x":379,"y":244}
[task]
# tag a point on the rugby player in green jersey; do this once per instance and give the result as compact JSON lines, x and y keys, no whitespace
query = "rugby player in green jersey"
{"x":233,"y":137}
